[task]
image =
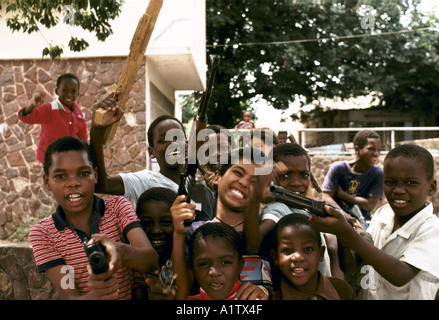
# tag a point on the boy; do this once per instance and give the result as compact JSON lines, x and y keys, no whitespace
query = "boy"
{"x":237,"y":200}
{"x":154,"y":212}
{"x":58,"y":240}
{"x":62,"y":117}
{"x":356,"y":182}
{"x":297,"y":250}
{"x":296,"y":177}
{"x":403,"y":259}
{"x":171,"y":163}
{"x":216,"y":138}
{"x":216,"y":255}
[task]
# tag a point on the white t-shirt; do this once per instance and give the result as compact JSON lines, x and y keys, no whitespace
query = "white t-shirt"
{"x":135,"y":183}
{"x":416,"y":243}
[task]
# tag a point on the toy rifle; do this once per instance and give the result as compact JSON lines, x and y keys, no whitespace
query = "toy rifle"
{"x":132,"y":65}
{"x":189,"y":185}
{"x":298,"y":201}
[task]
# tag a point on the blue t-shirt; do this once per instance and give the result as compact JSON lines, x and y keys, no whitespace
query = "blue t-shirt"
{"x":366,"y":184}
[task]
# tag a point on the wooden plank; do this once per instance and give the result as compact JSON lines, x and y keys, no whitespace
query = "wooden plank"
{"x":138,"y":46}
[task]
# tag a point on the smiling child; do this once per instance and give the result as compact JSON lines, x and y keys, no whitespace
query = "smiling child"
{"x":403,"y":261}
{"x":297,"y":252}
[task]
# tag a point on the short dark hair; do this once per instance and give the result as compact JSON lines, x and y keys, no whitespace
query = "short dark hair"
{"x":218,"y":129}
{"x":158,"y":194}
{"x":414,"y":152}
{"x":64,"y":144}
{"x":292,"y":219}
{"x":360,"y":138}
{"x":242,"y":153}
{"x":217,"y":230}
{"x":263,"y":132}
{"x":64,"y":76}
{"x":156,"y":122}
{"x":290,"y":149}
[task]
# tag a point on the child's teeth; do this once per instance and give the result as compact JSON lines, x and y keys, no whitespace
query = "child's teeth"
{"x":237,"y":193}
{"x":74,"y":197}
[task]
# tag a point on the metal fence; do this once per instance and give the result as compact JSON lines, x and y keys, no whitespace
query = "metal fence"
{"x":338,"y":141}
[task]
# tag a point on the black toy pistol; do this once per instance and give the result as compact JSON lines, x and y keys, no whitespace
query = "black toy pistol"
{"x":298,"y":201}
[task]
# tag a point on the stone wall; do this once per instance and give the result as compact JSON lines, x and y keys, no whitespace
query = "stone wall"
{"x":23,"y":198}
{"x":18,"y":278}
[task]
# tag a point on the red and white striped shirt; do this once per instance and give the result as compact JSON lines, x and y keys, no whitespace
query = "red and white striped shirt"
{"x":56,"y":242}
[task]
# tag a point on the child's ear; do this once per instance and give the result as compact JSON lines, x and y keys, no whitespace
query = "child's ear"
{"x":151,"y":152}
{"x":217,"y":179}
{"x":273,"y":254}
{"x":95,"y":170}
{"x":322,"y":253}
{"x":46,"y":182}
{"x":241,"y":265}
{"x":433,"y":187}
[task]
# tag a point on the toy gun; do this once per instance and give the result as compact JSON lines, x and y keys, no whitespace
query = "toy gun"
{"x":189,"y":184}
{"x":97,"y":256}
{"x":167,"y":277}
{"x":298,"y":201}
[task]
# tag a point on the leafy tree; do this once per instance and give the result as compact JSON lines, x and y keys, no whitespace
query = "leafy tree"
{"x":285,"y":50}
{"x":92,"y":15}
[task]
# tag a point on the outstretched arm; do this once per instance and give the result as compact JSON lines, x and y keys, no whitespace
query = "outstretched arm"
{"x":181,"y":211}
{"x":106,"y":184}
{"x":392,"y":269}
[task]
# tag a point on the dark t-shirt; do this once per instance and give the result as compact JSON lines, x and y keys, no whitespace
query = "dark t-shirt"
{"x":366,"y":184}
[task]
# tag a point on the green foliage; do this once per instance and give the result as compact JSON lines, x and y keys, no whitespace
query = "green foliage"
{"x":20,"y":232}
{"x":92,"y":15}
{"x":283,"y":50}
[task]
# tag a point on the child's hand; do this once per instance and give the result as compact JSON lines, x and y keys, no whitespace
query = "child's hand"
{"x":209,"y":177}
{"x":181,"y":211}
{"x":113,"y":253}
{"x":336,"y":223}
{"x":39,"y":99}
{"x":102,"y":287}
{"x":250,"y":291}
{"x":109,"y":103}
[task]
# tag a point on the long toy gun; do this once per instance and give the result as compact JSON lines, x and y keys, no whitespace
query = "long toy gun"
{"x":298,"y":201}
{"x":189,"y":184}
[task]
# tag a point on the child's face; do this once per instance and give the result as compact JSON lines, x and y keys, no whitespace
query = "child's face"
{"x":236,"y":186}
{"x":175,"y":153}
{"x":260,"y":144}
{"x":72,"y":180}
{"x":298,"y":176}
{"x":406,"y":185}
{"x":156,"y":220}
{"x":298,"y":256}
{"x":282,"y":136}
{"x":68,"y":91}
{"x":217,"y":266}
{"x":247,"y":116}
{"x":370,"y":153}
{"x":213,"y":143}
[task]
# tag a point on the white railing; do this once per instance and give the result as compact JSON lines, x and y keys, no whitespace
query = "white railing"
{"x":338,"y":141}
